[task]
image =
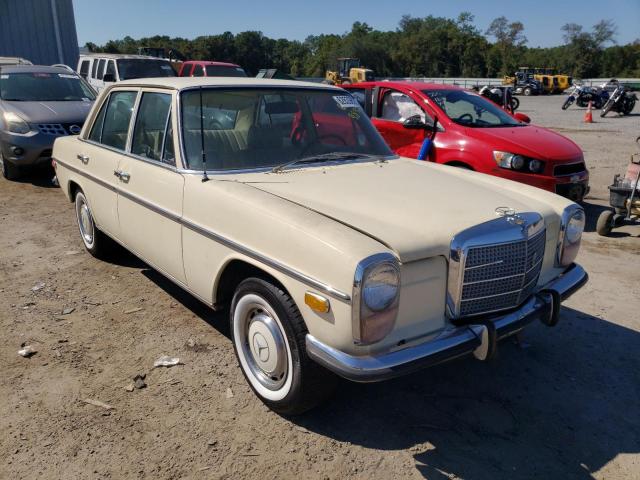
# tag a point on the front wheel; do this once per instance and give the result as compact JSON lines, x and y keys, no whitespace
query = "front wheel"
{"x":567,"y":103}
{"x":607,"y":108}
{"x":605,"y":223}
{"x":515,"y":103}
{"x":8,"y":170}
{"x":268,"y":336}
{"x":527,"y":91}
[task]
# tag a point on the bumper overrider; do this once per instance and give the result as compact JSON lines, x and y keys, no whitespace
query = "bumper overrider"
{"x":478,"y":337}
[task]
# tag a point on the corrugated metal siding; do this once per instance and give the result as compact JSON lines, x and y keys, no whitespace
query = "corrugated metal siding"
{"x":27,"y":29}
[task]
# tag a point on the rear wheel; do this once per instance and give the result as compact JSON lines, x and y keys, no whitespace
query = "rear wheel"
{"x":515,"y":103}
{"x":605,"y":223}
{"x":8,"y":170}
{"x":96,"y":242}
{"x":527,"y":91}
{"x":268,"y":336}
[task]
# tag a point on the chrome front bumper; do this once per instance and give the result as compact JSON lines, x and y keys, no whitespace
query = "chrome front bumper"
{"x":452,"y":343}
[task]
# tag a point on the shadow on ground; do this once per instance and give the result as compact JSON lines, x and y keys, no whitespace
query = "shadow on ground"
{"x":562,"y":407}
{"x":562,"y":404}
{"x":40,"y":177}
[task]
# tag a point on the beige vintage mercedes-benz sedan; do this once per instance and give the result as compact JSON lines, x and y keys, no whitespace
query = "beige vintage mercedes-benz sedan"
{"x":280,"y":200}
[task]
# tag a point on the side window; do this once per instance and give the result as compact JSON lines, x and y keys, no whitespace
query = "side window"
{"x":186,"y":70}
{"x":111,"y":68}
{"x":84,"y":68}
{"x":151,"y":123}
{"x":94,"y":68}
{"x":168,"y":153}
{"x":397,"y":107}
{"x":100,"y":69}
{"x":117,"y":118}
{"x":198,"y":71}
{"x":96,"y":130}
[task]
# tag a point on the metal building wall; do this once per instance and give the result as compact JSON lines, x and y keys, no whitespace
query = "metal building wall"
{"x":42,"y":31}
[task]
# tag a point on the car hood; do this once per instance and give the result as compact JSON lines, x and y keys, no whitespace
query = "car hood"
{"x":530,"y":140}
{"x":412,"y":207}
{"x":50,"y":112}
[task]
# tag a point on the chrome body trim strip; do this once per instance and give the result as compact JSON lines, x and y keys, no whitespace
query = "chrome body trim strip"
{"x":310,"y":281}
{"x":450,"y":344}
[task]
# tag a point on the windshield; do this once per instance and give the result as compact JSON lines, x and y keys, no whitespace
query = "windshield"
{"x":247,"y":128}
{"x":44,"y":87}
{"x":471,"y":110}
{"x":143,"y":68}
{"x":224,"y":71}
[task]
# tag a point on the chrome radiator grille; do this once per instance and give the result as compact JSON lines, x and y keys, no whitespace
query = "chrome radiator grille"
{"x":497,"y":277}
{"x":495,"y":265}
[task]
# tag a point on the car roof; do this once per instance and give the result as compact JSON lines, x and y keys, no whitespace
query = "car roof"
{"x":407,"y":84}
{"x":35,"y":69}
{"x":120,"y":55}
{"x":211,"y":62}
{"x":180,"y":83}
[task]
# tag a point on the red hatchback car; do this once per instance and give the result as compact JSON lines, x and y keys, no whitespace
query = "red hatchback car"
{"x":205,"y":68}
{"x":472,"y":132}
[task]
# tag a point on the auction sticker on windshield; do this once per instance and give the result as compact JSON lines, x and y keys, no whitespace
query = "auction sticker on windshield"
{"x":345,"y":101}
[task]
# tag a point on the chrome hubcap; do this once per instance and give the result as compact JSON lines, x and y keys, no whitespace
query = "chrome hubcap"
{"x":264,"y":348}
{"x":85,"y":222}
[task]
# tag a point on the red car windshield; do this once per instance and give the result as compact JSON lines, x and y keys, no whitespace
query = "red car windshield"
{"x":224,"y":71}
{"x":471,"y":110}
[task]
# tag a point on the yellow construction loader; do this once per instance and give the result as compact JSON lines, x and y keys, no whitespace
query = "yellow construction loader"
{"x":348,"y":71}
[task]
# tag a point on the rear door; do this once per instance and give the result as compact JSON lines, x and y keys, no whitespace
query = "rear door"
{"x":150,"y":187}
{"x":101,"y":152}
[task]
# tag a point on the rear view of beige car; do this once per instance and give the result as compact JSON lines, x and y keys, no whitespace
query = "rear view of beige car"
{"x":280,"y":200}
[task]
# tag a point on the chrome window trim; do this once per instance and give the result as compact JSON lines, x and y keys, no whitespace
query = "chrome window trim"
{"x":281,"y":267}
{"x":132,"y":127}
{"x":356,"y":296}
{"x":499,"y":231}
{"x":183,"y":156}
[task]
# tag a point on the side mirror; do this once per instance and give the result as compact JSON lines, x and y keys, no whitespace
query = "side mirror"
{"x":522,"y":117}
{"x":415,"y":123}
{"x":109,"y":78}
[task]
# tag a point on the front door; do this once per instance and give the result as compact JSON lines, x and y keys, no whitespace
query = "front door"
{"x":150,"y":188}
{"x":394,"y":108}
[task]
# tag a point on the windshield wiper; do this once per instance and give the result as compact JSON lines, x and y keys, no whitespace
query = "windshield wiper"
{"x":324,"y":157}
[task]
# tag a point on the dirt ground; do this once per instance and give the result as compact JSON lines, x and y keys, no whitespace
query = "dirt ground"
{"x":563,"y":404}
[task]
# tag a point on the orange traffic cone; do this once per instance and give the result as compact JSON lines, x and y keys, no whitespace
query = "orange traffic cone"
{"x":588,"y":115}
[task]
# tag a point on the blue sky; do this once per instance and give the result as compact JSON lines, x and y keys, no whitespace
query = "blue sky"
{"x":99,"y":20}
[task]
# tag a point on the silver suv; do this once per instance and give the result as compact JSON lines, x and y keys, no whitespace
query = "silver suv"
{"x":37,"y":105}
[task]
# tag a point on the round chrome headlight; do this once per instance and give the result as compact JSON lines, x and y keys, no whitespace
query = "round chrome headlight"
{"x":573,"y":221}
{"x":575,"y":227}
{"x":380,"y":287}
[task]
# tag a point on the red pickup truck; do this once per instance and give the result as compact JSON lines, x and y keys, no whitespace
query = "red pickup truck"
{"x":472,"y":132}
{"x":205,"y":68}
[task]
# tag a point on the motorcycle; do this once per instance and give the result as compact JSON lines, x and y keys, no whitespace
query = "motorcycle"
{"x":502,"y":96}
{"x":622,"y":100}
{"x":583,"y":95}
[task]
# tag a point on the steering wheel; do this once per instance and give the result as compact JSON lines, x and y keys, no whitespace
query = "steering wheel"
{"x":320,"y":137}
{"x":213,"y":125}
{"x":463,"y":116}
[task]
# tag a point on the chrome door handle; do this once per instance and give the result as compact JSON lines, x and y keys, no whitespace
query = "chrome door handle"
{"x":83,"y":158}
{"x":124,"y":176}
